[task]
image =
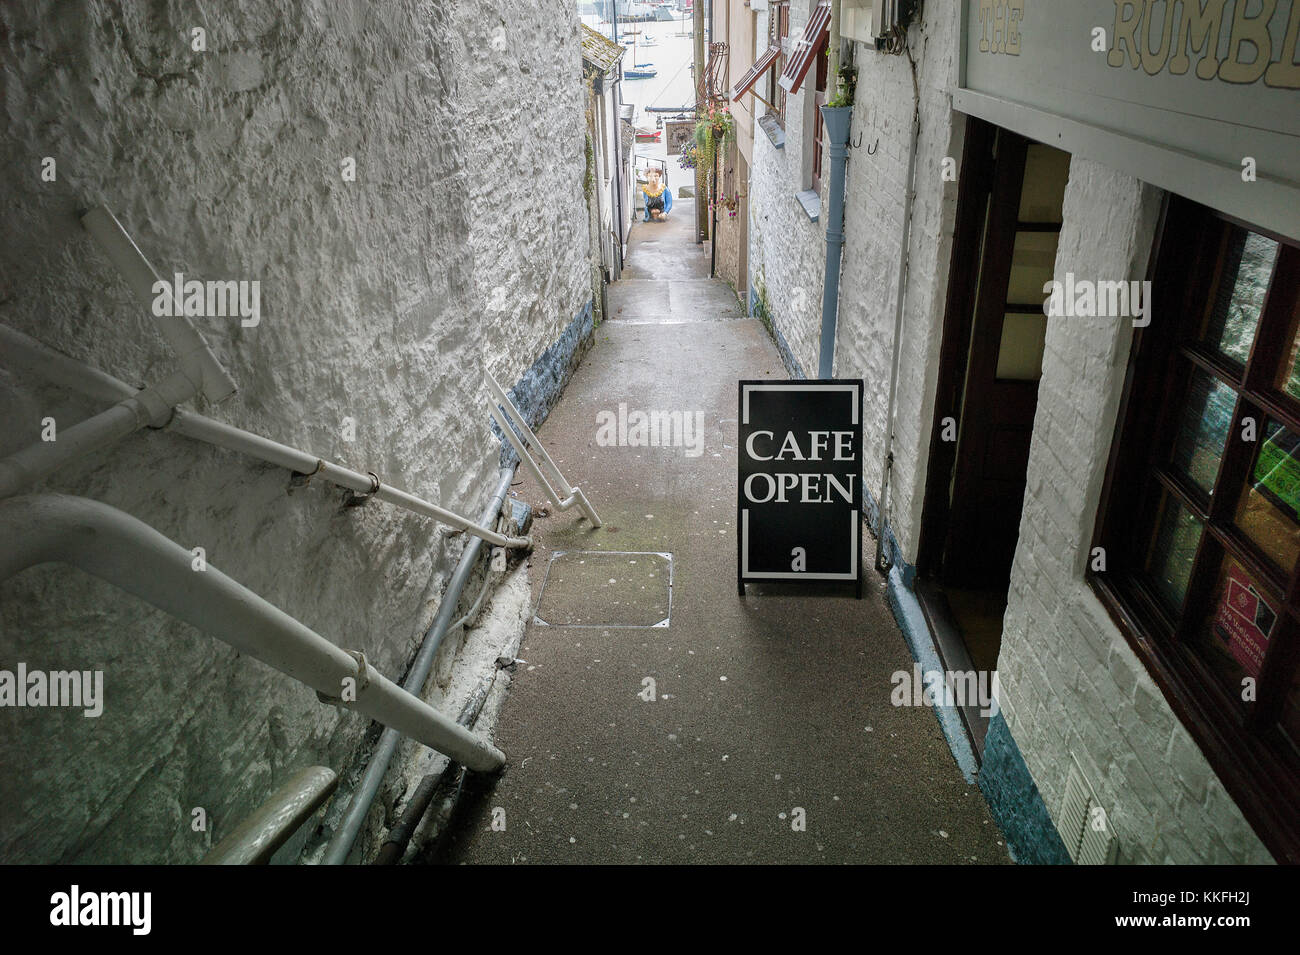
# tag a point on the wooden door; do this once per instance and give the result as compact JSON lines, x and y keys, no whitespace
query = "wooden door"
{"x":1016,"y":257}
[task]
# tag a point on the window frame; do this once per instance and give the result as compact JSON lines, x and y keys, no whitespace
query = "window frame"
{"x":1258,"y":764}
{"x":778,"y":34}
{"x":819,"y":97}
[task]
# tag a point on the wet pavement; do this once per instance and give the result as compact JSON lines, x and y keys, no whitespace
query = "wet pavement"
{"x":692,"y":725}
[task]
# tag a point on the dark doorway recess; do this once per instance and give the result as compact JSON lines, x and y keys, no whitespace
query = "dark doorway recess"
{"x":1004,"y":251}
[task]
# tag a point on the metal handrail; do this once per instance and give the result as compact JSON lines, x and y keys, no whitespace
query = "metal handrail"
{"x":358,"y":808}
{"x":27,"y":353}
{"x":257,"y":837}
{"x":131,"y":555}
{"x":525,"y":444}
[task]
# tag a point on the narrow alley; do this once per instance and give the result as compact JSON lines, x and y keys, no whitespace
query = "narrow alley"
{"x":649,"y":433}
{"x":765,"y":706}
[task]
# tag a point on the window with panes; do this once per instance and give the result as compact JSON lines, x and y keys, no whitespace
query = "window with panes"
{"x":1197,"y":550}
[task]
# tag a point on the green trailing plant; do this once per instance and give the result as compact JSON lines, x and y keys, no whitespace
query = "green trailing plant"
{"x":714,"y":131}
{"x":845,"y":88}
{"x":761,"y":308}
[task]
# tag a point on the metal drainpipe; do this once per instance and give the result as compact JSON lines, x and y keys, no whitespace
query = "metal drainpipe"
{"x":713,"y":235}
{"x":336,"y":853}
{"x":399,"y":837}
{"x":885,"y":562}
{"x":618,"y":168}
{"x":617,"y":96}
{"x":837,"y":130}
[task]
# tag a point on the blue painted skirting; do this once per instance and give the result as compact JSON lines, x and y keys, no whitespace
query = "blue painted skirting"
{"x":911,"y":620}
{"x":1015,"y":802}
{"x":536,"y":393}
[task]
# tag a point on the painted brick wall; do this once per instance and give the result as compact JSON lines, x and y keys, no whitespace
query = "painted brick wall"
{"x":1071,"y":684}
{"x":381,"y":300}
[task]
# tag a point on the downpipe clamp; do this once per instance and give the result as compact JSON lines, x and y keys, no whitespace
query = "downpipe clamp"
{"x":362,"y":680}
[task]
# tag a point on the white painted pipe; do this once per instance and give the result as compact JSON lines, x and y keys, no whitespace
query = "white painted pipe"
{"x":223,"y":435}
{"x":505,"y":413}
{"x":25,"y":352}
{"x":499,"y":400}
{"x":150,"y":407}
{"x":179,"y":332}
{"x":575,"y":495}
{"x":131,"y":555}
{"x":884,"y":556}
{"x":256,"y":838}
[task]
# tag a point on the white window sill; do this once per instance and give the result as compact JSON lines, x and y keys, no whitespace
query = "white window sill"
{"x":811,"y":202}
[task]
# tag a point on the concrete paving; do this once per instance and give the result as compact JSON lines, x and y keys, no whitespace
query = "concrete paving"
{"x":745,"y":730}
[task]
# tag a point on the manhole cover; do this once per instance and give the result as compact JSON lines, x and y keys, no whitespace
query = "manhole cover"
{"x":603,"y":588}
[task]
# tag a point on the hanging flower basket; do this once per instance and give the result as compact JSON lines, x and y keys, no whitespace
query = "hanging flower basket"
{"x":714,"y":130}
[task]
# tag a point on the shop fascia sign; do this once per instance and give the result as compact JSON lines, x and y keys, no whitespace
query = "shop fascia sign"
{"x":1200,"y":97}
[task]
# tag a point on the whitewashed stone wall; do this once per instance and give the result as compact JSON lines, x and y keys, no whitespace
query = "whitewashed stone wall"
{"x":460,"y":243}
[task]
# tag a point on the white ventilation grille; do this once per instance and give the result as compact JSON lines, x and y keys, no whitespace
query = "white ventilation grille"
{"x":1084,"y":825}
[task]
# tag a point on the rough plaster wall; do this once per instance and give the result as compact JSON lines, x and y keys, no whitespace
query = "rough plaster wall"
{"x":1070,"y":682}
{"x":225,"y":164}
{"x":519,"y":67}
{"x":790,"y":251}
{"x":742,"y":45}
{"x":731,"y":231}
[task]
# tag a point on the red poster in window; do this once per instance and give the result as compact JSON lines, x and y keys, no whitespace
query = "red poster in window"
{"x":1244,"y":620}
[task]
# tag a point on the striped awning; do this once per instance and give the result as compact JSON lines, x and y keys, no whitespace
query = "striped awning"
{"x":816,"y":33}
{"x":761,"y":66}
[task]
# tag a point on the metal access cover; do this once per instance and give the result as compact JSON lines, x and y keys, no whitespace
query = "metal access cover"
{"x":606,"y":588}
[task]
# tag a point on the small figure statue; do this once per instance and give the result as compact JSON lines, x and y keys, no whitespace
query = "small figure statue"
{"x":658,"y":197}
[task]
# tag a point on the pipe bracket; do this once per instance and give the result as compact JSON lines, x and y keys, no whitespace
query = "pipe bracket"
{"x":352,"y":498}
{"x":299,"y":479}
{"x":362,"y":680}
